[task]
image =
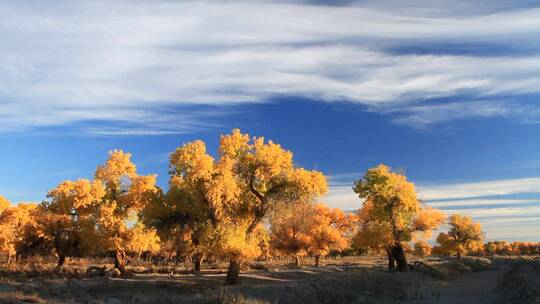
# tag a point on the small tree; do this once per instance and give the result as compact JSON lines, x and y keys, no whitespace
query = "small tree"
{"x":422,"y":249}
{"x":391,"y":213}
{"x":332,"y":230}
{"x":290,"y":230}
{"x":464,"y":235}
{"x":311,"y":229}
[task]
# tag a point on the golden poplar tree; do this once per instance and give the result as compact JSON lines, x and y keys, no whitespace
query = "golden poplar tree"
{"x":464,"y":235}
{"x":391,"y":214}
{"x":332,"y":230}
{"x":422,"y":249}
{"x":67,"y":221}
{"x":265,"y":176}
{"x":290,"y":230}
{"x":303,"y":229}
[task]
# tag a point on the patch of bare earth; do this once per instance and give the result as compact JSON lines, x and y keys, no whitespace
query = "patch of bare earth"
{"x":521,"y":284}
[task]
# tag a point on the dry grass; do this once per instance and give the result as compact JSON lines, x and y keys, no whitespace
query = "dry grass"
{"x":344,"y":280}
{"x":19,"y":296}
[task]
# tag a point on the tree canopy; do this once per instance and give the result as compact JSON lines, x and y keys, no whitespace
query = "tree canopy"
{"x":464,"y":235}
{"x":391,"y":214}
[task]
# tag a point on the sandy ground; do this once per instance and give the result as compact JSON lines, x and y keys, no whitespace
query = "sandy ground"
{"x":472,"y":287}
{"x":366,"y":281}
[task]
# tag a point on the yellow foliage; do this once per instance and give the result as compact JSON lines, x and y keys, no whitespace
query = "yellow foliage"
{"x":290,"y":227}
{"x":126,"y":194}
{"x":266,"y":176}
{"x":71,"y":196}
{"x":222,"y":202}
{"x":426,"y":220}
{"x":464,"y":236}
{"x":4,"y":204}
{"x":391,"y":213}
{"x":143,"y":239}
{"x":515,"y":248}
{"x":17,"y":222}
{"x":94,"y":215}
{"x":191,"y":162}
{"x":422,"y":249}
{"x":232,"y":242}
{"x":332,"y":229}
{"x":393,"y":198}
{"x":234,"y":145}
{"x":315,"y":229}
{"x":117,"y":167}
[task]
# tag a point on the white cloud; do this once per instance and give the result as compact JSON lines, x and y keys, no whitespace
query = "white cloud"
{"x":480,"y":202}
{"x":479,"y":189}
{"x":75,"y":61}
{"x":342,"y":197}
{"x":421,"y":115}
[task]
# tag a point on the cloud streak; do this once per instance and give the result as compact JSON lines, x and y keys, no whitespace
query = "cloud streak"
{"x":78,"y":61}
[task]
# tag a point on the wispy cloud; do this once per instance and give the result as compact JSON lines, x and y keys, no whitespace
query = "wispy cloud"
{"x":423,"y":115}
{"x":75,"y":61}
{"x":526,"y":164}
{"x":480,"y":189}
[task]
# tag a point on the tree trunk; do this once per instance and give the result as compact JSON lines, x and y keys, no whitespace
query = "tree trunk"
{"x":399,"y":256}
{"x":391,"y":260}
{"x":459,"y":255}
{"x":317,"y":260}
{"x":297,"y":261}
{"x":198,"y":258}
{"x":61,"y":260}
{"x":120,"y":261}
{"x":233,"y":274}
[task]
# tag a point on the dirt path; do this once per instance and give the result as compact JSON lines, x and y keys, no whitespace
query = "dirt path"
{"x":472,"y":287}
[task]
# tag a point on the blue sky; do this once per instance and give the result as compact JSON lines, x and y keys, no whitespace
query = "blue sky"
{"x":447,"y":92}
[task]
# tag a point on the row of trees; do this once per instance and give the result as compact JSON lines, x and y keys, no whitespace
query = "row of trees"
{"x":250,"y":202}
{"x":213,"y":206}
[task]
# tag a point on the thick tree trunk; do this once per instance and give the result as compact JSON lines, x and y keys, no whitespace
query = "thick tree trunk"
{"x":61,"y":260}
{"x":459,"y":255}
{"x":233,"y":274}
{"x":120,"y":261}
{"x":297,"y":261}
{"x":198,"y":258}
{"x":391,"y":260}
{"x":399,"y":256}
{"x":317,"y":260}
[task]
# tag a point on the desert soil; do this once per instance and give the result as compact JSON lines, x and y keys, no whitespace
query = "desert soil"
{"x":504,"y":281}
